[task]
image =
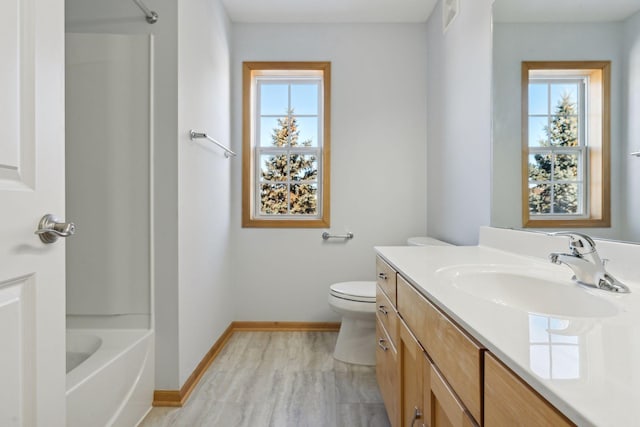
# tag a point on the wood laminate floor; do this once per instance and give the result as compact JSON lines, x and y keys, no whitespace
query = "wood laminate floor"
{"x":279,"y":379}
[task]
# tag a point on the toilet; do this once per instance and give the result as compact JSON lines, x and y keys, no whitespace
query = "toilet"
{"x":356,"y":303}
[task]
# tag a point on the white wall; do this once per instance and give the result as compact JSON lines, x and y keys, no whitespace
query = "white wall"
{"x":459,"y":122}
{"x":205,"y":292}
{"x":631,"y":124}
{"x":378,"y":174}
{"x":514,"y":43}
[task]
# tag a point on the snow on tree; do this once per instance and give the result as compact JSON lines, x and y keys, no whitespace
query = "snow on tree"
{"x":562,"y":132}
{"x":291,"y":173}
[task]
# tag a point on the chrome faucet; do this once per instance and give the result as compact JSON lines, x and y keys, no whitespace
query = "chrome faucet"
{"x":586,"y":263}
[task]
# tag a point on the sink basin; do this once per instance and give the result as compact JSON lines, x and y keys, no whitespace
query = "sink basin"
{"x":534,"y":291}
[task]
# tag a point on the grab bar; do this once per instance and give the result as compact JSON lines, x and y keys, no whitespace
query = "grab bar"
{"x":227,"y":153}
{"x":327,"y":236}
{"x":151,"y":16}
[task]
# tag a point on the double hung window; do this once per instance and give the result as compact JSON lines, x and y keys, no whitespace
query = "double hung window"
{"x":565,"y":144}
{"x":286,"y":144}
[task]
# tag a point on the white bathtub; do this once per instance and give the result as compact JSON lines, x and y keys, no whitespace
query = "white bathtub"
{"x":113,"y":386}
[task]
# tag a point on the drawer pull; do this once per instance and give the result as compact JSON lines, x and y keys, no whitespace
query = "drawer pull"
{"x":416,"y":416}
{"x":382,"y":309}
{"x":381,"y":342}
{"x":382,"y":276}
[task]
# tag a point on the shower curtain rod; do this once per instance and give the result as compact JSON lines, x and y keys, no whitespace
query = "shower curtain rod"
{"x":151,"y":16}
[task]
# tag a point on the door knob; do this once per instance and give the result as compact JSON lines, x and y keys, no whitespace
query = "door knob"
{"x":50,"y":228}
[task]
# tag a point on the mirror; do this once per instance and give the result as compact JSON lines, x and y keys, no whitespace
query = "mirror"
{"x":552,"y":30}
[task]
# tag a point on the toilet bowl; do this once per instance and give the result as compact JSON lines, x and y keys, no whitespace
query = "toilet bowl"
{"x":356,"y":303}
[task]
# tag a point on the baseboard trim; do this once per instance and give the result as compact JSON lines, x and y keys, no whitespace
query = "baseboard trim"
{"x":286,"y":326}
{"x":167,"y":398}
{"x":177,"y":398}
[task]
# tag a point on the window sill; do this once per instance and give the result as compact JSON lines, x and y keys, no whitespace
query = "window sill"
{"x":284,"y":223}
{"x":567,"y":223}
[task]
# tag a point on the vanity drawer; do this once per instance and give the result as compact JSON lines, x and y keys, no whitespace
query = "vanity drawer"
{"x":442,"y":339}
{"x":387,"y":374}
{"x":386,"y":277}
{"x":386,"y":314}
{"x":509,"y":401}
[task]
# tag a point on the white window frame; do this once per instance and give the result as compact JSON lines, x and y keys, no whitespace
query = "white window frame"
{"x":260,"y":150}
{"x":582,"y":149}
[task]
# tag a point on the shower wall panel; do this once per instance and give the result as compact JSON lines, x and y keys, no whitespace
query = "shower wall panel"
{"x":108,"y":151}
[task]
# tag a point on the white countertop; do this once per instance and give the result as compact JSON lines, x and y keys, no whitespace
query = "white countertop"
{"x":588,"y":367}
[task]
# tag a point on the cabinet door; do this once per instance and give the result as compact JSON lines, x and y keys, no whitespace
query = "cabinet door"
{"x":446,"y":408}
{"x":411,"y":379}
{"x":509,"y":401}
{"x":457,"y":356}
{"x":32,"y":179}
{"x":387,"y":373}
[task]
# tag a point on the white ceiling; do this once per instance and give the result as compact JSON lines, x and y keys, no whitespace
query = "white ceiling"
{"x":564,"y":10}
{"x":326,"y":11}
{"x":354,"y":11}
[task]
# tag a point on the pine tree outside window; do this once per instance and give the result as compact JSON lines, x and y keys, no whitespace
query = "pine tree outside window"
{"x":286,"y":144}
{"x":565,"y":144}
{"x":557,"y":154}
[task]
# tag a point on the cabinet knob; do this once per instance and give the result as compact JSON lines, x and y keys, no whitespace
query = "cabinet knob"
{"x":382,"y":276}
{"x":381,"y":342}
{"x":382,"y":309}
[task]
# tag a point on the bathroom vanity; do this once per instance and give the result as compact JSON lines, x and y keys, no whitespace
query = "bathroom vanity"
{"x":496,"y":335}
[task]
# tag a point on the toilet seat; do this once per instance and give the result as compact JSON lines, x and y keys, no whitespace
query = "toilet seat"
{"x":354,"y":291}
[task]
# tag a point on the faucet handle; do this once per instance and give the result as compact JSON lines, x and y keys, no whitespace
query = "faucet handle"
{"x":579,"y":243}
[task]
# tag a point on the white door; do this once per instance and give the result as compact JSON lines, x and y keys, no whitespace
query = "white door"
{"x":32,"y":282}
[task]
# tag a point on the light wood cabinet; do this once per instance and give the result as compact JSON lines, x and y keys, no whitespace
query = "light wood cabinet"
{"x":387,"y":374}
{"x":386,"y":278}
{"x":386,"y":313}
{"x":446,"y":408}
{"x":427,"y":363}
{"x":412,"y":362}
{"x":456,"y":355}
{"x":510,"y":401}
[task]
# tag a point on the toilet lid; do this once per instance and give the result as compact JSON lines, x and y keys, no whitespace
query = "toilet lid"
{"x":356,"y":291}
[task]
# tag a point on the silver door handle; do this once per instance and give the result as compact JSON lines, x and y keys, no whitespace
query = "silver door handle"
{"x":50,"y":228}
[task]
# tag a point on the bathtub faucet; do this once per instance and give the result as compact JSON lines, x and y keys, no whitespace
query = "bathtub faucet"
{"x":586,"y":264}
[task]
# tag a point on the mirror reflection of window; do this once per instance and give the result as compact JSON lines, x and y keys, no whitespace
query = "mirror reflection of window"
{"x":565,"y":144}
{"x":557,"y":145}
{"x":554,"y":352}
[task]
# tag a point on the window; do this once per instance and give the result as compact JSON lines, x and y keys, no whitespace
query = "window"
{"x":565,"y":162}
{"x":286,"y":144}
